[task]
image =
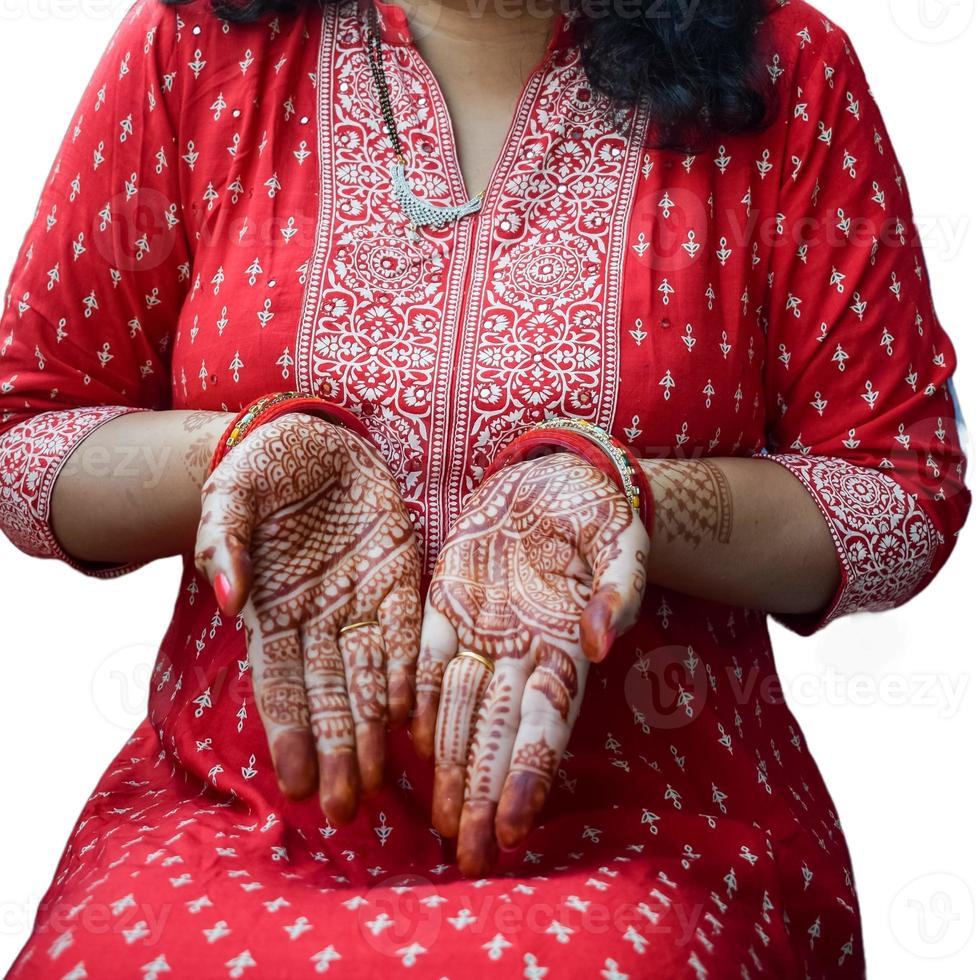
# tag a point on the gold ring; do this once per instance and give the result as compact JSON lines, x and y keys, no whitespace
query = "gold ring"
{"x":478,"y":657}
{"x":357,"y":626}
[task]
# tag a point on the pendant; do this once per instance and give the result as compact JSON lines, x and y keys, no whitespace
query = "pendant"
{"x":421,"y":213}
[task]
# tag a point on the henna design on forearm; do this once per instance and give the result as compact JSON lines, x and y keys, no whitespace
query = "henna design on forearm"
{"x":197,"y":454}
{"x":693,"y":500}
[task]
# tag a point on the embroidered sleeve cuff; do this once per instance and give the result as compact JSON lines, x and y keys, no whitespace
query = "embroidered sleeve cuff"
{"x":885,"y":542}
{"x":32,"y":455}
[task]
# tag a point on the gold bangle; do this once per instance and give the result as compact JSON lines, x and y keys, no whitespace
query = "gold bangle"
{"x":478,"y":657}
{"x":246,"y":422}
{"x":599,"y":437}
{"x":358,"y":626}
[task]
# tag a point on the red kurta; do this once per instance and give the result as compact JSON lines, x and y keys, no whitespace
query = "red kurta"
{"x":220,"y":223}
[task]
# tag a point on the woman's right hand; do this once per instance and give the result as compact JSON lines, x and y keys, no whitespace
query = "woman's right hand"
{"x":304,"y":532}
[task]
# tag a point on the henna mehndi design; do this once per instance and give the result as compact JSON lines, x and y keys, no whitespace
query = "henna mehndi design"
{"x":694,"y":500}
{"x":543,"y":569}
{"x":307,"y":527}
{"x":206,"y":427}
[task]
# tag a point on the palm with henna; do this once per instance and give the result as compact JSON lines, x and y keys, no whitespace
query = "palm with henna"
{"x":545,"y":567}
{"x":304,"y":532}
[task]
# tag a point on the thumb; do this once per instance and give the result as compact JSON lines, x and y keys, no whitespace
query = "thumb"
{"x":221,"y":552}
{"x":619,"y":581}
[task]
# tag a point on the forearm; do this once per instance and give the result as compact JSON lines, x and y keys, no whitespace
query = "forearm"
{"x":740,"y":531}
{"x":131,"y":492}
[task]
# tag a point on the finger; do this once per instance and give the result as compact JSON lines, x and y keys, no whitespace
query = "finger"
{"x":221,"y":552}
{"x":438,"y":646}
{"x":463,"y":687}
{"x":400,"y":615}
{"x":280,"y":691}
{"x":489,"y":760}
{"x":619,"y":574}
{"x":549,"y":707}
{"x":331,"y":721}
{"x":363,"y":654}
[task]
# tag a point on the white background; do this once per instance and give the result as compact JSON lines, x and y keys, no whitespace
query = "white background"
{"x":890,"y":703}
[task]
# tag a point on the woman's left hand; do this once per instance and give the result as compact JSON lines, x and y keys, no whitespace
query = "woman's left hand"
{"x":545,"y":567}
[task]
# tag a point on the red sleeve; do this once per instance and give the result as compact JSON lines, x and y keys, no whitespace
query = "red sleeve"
{"x":100,"y":278}
{"x":859,"y":401}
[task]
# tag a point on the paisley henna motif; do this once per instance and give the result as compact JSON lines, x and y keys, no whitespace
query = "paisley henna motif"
{"x":545,"y":566}
{"x":308,"y":529}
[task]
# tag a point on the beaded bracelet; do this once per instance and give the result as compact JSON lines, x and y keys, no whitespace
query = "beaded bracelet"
{"x":273,"y":406}
{"x":596,"y":446}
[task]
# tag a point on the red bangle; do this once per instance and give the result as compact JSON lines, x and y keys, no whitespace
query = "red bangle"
{"x":273,"y":406}
{"x":595,"y":447}
{"x":529,"y":444}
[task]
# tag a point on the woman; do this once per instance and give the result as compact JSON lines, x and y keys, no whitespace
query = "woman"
{"x":695,"y":238}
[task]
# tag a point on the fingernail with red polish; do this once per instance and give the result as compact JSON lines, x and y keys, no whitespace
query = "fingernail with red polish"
{"x":222,"y":589}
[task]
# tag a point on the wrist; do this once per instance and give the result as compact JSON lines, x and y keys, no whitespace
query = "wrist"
{"x":591,"y":443}
{"x":204,"y":431}
{"x":274,"y":406}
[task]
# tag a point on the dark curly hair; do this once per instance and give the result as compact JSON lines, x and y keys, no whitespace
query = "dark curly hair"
{"x":696,"y":62}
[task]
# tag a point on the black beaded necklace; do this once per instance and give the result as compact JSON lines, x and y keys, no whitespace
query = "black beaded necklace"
{"x":420,"y":212}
